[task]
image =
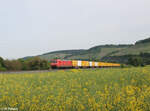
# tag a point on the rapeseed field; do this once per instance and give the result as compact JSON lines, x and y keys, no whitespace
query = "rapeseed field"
{"x":126,"y":89}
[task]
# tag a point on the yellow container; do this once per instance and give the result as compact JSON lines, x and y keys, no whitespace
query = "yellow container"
{"x":111,"y":64}
{"x":102,"y":64}
{"x":118,"y":65}
{"x":75,"y":63}
{"x":93,"y":64}
{"x":99,"y":64}
{"x":115,"y":65}
{"x":105,"y":64}
{"x":85,"y":64}
{"x":108,"y":65}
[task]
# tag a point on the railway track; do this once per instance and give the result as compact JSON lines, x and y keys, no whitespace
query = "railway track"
{"x":28,"y":72}
{"x":32,"y":71}
{"x":42,"y":71}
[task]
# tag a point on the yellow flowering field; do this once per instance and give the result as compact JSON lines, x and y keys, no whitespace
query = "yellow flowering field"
{"x":117,"y":89}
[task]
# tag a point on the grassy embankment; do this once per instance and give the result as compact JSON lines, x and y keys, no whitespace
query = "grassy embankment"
{"x":72,"y":90}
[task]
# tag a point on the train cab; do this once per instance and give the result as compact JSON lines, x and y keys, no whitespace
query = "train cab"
{"x":61,"y":64}
{"x":54,"y":63}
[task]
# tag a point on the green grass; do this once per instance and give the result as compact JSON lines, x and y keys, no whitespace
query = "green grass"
{"x":93,"y":89}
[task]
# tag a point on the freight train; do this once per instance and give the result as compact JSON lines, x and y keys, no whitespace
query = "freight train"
{"x":80,"y":64}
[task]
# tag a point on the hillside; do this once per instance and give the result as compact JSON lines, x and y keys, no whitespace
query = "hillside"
{"x":107,"y":53}
{"x":143,"y":46}
{"x":134,"y":50}
{"x":98,"y":52}
{"x":143,"y":41}
{"x":92,"y":53}
{"x":60,"y":54}
{"x":122,"y":56}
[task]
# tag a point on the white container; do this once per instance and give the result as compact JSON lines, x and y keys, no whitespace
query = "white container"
{"x":96,"y":64}
{"x":90,"y":64}
{"x":79,"y":63}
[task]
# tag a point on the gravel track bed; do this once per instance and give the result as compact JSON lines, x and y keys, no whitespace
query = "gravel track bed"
{"x":22,"y":72}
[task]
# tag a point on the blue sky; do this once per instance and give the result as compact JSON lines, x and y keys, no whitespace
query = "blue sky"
{"x":33,"y":27}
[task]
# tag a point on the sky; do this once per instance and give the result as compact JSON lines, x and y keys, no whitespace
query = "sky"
{"x":34,"y":27}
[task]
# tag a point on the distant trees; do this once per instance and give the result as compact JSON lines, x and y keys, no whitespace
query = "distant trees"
{"x":136,"y":61}
{"x":93,"y":58}
{"x":38,"y":64}
{"x":139,"y":60}
{"x":12,"y":65}
{"x":146,"y":58}
{"x":1,"y":62}
{"x":2,"y":68}
{"x":30,"y":64}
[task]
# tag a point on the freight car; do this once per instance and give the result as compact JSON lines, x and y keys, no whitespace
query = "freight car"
{"x":80,"y":64}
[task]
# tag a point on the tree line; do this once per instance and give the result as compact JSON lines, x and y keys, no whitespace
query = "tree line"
{"x":141,"y":59}
{"x":34,"y":63}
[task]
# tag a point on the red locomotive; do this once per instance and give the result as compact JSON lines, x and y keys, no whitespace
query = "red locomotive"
{"x":61,"y":63}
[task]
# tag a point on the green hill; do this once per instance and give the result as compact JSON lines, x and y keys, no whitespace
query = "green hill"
{"x":98,"y":52}
{"x":134,"y":50}
{"x":93,"y":53}
{"x":60,"y":54}
{"x":107,"y":53}
{"x":143,"y":41}
{"x":140,"y":48}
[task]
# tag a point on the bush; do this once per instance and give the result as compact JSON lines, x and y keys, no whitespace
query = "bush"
{"x":1,"y":62}
{"x":136,"y":61}
{"x":122,"y":66}
{"x":3,"y":69}
{"x":37,"y":64}
{"x":30,"y":64}
{"x":44,"y":65}
{"x":12,"y":65}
